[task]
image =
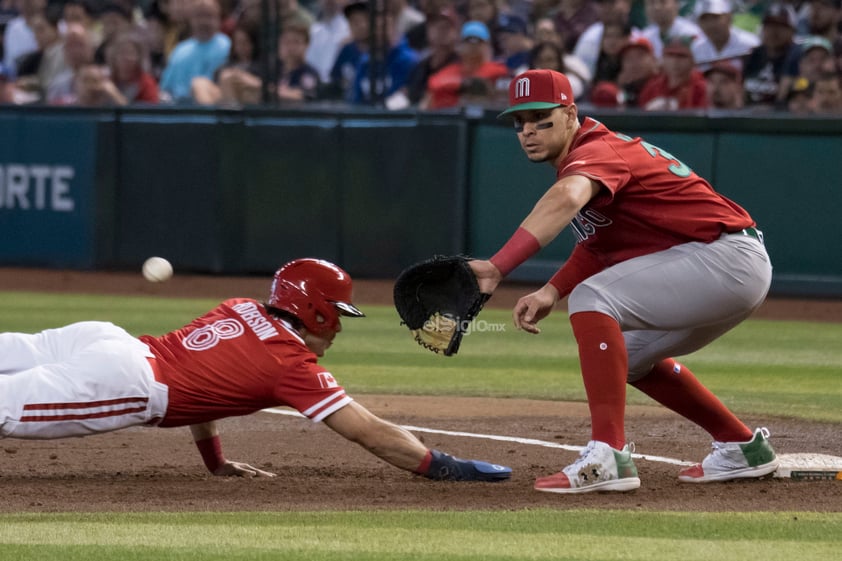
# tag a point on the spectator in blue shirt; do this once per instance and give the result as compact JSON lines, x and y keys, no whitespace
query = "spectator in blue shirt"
{"x":515,"y":42}
{"x":344,"y":71}
{"x":200,"y":55}
{"x":298,"y":80}
{"x":400,"y":60}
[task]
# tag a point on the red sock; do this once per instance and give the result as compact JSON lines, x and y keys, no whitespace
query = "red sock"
{"x":674,"y":386}
{"x":604,"y":362}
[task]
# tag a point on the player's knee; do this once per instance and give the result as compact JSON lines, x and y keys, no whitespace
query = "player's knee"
{"x":638,"y":373}
{"x":640,"y":365}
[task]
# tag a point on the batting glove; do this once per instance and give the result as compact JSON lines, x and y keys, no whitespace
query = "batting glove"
{"x":444,"y":467}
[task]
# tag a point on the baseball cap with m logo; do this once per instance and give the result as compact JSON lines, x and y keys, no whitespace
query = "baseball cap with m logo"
{"x":538,"y":89}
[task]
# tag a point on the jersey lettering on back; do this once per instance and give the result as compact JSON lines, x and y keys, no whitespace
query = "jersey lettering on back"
{"x":237,"y":359}
{"x":259,"y":324}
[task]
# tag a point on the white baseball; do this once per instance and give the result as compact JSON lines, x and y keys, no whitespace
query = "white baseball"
{"x":157,"y":269}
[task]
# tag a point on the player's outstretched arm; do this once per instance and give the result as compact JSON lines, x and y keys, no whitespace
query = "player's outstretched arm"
{"x":402,"y":449}
{"x":206,"y":436}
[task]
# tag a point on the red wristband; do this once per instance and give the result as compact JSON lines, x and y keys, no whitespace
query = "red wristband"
{"x":211,"y":451}
{"x":424,"y":466}
{"x":520,"y":247}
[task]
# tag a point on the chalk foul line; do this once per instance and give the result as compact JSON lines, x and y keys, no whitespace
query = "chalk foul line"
{"x":514,"y":439}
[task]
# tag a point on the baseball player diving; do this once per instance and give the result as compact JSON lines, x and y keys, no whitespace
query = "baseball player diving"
{"x":663,"y":266}
{"x":240,"y":357}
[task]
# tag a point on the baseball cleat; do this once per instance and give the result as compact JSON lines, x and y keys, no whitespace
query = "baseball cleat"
{"x":734,"y":460}
{"x":599,"y":468}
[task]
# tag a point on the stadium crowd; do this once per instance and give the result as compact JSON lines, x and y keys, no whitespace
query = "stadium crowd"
{"x":664,"y":55}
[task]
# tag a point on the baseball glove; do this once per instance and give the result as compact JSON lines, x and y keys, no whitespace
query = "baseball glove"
{"x":437,"y":299}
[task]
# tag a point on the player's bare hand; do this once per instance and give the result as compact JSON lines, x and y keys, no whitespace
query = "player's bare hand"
{"x":240,"y":469}
{"x":488,"y":276}
{"x":534,"y":307}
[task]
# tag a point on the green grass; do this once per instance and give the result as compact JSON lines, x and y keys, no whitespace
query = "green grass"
{"x":762,"y":367}
{"x":410,"y":535}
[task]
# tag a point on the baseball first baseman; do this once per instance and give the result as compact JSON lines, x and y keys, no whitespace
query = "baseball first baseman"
{"x":663,"y":266}
{"x":240,"y":357}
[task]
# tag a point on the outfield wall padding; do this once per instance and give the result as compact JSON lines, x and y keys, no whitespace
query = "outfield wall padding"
{"x":234,"y":192}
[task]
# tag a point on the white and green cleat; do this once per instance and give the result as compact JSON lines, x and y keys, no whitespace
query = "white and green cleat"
{"x":734,"y":460}
{"x":599,"y":468}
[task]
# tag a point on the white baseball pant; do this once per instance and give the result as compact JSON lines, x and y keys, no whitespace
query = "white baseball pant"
{"x":82,"y":379}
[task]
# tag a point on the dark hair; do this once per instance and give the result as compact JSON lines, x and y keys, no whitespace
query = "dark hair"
{"x":119,"y":8}
{"x":86,"y":5}
{"x":354,"y":7}
{"x":253,"y":33}
{"x":624,"y":25}
{"x":53,"y":14}
{"x":154,"y":11}
{"x":296,"y":323}
{"x":555,"y":47}
{"x":296,"y":25}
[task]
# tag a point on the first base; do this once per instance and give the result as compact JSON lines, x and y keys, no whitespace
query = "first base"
{"x":808,"y":466}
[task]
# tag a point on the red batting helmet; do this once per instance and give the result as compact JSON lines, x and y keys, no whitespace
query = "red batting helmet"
{"x":315,"y":291}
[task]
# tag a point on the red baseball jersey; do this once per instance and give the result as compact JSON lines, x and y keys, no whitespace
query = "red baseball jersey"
{"x":238,"y":359}
{"x":688,"y":95}
{"x":445,"y":85}
{"x":651,"y":201}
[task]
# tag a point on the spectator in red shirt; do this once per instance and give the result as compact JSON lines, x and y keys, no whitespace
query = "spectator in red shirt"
{"x":128,"y":61}
{"x":638,"y":65}
{"x":475,"y":79}
{"x":725,"y":85}
{"x":679,"y":85}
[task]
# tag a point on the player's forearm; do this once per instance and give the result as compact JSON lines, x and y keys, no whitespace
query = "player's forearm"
{"x":554,"y":211}
{"x":206,"y":436}
{"x":402,"y":449}
{"x":202,"y":431}
{"x":385,"y":440}
{"x":396,"y":446}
